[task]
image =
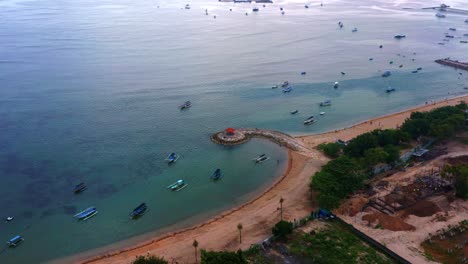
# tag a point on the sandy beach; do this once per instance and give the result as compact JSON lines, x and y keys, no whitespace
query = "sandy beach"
{"x":260,"y":214}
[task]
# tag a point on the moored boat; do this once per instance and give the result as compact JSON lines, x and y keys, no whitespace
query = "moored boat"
{"x":453,"y":29}
{"x":310,"y":120}
{"x":261,"y":158}
{"x":354,"y":30}
{"x":138,"y":211}
{"x":86,"y":214}
{"x":79,"y":187}
{"x":322,"y":113}
{"x":336,"y":85}
{"x":255,"y":9}
{"x":187,"y":6}
{"x":390,"y":89}
{"x":172,"y":158}
{"x":287,"y":89}
{"x":185,"y":105}
{"x":285,"y":84}
{"x":15,"y":241}
{"x":399,"y":36}
{"x":294,"y":112}
{"x":177,"y":186}
{"x":274,"y":87}
{"x":386,"y":74}
{"x":439,"y":15}
{"x":325,"y":103}
{"x":217,"y":174}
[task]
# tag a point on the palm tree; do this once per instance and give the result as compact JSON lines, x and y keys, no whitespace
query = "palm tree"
{"x":239,"y":227}
{"x":281,"y":207}
{"x":195,"y":245}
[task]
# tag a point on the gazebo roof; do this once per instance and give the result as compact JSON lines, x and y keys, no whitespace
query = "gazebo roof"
{"x":230,"y":130}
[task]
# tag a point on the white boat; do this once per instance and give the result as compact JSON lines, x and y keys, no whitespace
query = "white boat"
{"x":177,"y":186}
{"x":261,"y":158}
{"x":336,"y":85}
{"x":325,"y":103}
{"x":274,"y":87}
{"x":309,"y":121}
{"x":322,"y":113}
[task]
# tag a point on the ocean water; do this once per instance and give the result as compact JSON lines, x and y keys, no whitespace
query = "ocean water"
{"x":89,"y":92}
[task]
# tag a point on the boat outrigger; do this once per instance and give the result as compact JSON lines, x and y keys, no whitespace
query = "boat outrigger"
{"x":294,"y":112}
{"x":185,"y":105}
{"x":172,"y":158}
{"x":138,"y":211}
{"x":15,"y":241}
{"x":79,"y":187}
{"x":217,"y":174}
{"x":86,"y":214}
{"x":309,"y":121}
{"x":325,"y":103}
{"x":177,"y":186}
{"x":261,"y":158}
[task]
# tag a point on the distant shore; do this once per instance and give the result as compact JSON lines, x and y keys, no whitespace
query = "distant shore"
{"x":261,"y":213}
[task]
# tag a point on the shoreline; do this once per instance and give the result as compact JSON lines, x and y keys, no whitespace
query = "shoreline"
{"x":301,"y":166}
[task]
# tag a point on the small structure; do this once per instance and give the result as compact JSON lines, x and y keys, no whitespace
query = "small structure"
{"x":230,"y":131}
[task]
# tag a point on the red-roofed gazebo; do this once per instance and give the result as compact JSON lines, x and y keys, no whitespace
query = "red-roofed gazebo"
{"x":230,"y":131}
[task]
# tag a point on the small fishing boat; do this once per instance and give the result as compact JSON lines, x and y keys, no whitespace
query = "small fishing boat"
{"x":420,"y":68}
{"x":255,"y":9}
{"x":354,"y":30}
{"x":449,"y":36}
{"x":177,"y":186}
{"x":390,"y":90}
{"x":336,"y":85}
{"x":138,"y":211}
{"x":287,"y":89}
{"x":285,"y":84}
{"x":9,"y":218}
{"x":187,"y":6}
{"x":325,"y":103}
{"x":303,"y":73}
{"x":15,"y":241}
{"x":466,"y":34}
{"x":274,"y":87}
{"x":185,"y":105}
{"x":463,"y":41}
{"x":453,"y":29}
{"x":399,"y":36}
{"x":343,"y":73}
{"x":172,"y":158}
{"x":282,"y":12}
{"x":79,"y":187}
{"x":261,"y":158}
{"x":322,"y":113}
{"x":309,"y":121}
{"x":414,"y":72}
{"x":217,"y":174}
{"x":86,"y":214}
{"x":294,"y":112}
{"x":306,"y":6}
{"x":390,"y":62}
{"x":466,"y":20}
{"x":439,"y":15}
{"x":386,"y":74}
{"x":401,"y":66}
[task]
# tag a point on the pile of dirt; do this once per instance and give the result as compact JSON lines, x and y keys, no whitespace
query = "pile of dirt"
{"x":388,"y":222}
{"x":352,"y":206}
{"x":421,"y":208}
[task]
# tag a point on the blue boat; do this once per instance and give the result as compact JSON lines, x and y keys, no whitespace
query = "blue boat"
{"x":86,"y":214}
{"x":173,"y":157}
{"x":390,"y":89}
{"x":294,"y":112}
{"x":218,"y":174}
{"x":399,"y":36}
{"x":79,"y":188}
{"x":15,"y":241}
{"x":414,"y":72}
{"x":325,"y":103}
{"x":287,"y":89}
{"x":386,"y":74}
{"x":139,"y":211}
{"x":185,"y":105}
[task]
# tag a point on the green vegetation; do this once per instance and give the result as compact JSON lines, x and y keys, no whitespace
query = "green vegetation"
{"x":222,"y":257}
{"x":333,"y":245}
{"x":149,"y":259}
{"x":282,"y":228}
{"x":347,"y":173}
{"x":332,"y":150}
{"x":459,"y":175}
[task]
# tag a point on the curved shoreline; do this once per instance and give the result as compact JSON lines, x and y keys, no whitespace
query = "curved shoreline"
{"x":300,"y":167}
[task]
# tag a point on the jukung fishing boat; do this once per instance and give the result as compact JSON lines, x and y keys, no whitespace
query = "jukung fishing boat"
{"x":261,"y":158}
{"x":287,"y":89}
{"x":390,"y":89}
{"x":255,"y":9}
{"x":79,"y":187}
{"x":274,"y":87}
{"x":86,"y":214}
{"x":185,"y":105}
{"x":177,"y":186}
{"x":294,"y":112}
{"x":285,"y":84}
{"x":354,"y":30}
{"x":325,"y":103}
{"x":452,"y":29}
{"x":15,"y":241}
{"x":322,"y":113}
{"x":138,"y":211}
{"x":399,"y":36}
{"x":336,"y":85}
{"x":172,"y":158}
{"x":217,"y":174}
{"x":309,"y":121}
{"x":439,"y":15}
{"x":386,"y":74}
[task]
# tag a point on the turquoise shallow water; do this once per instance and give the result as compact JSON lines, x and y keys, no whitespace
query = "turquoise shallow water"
{"x":89,"y":92}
